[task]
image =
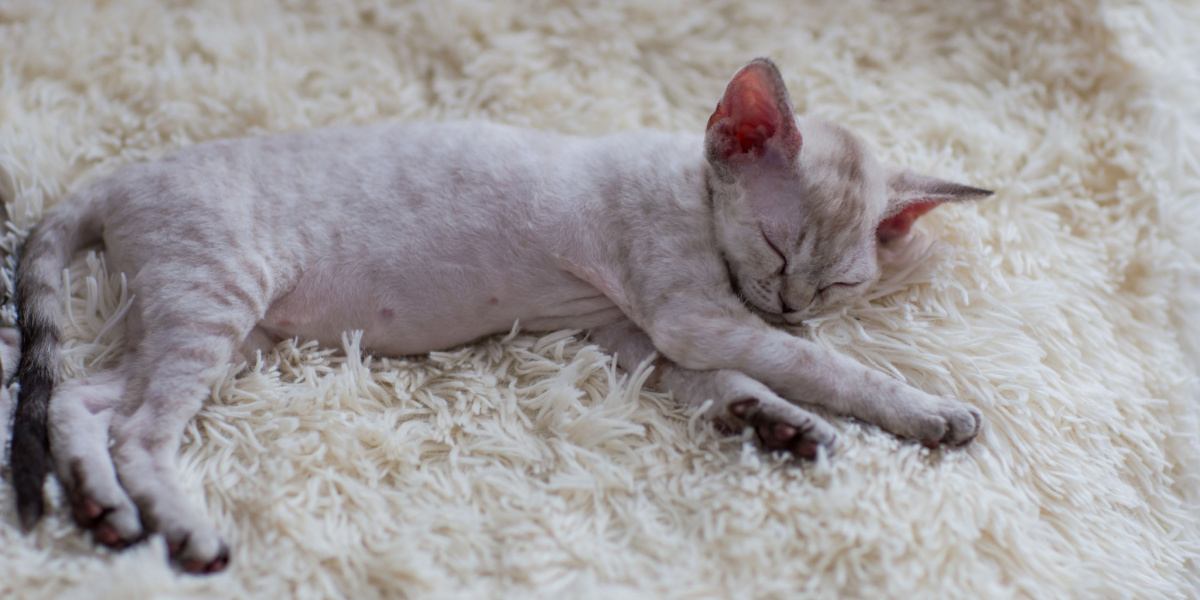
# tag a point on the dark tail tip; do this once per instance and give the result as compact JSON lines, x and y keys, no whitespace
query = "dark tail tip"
{"x":30,"y":466}
{"x":30,"y":454}
{"x":30,"y":510}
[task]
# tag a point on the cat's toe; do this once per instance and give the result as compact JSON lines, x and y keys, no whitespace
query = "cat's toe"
{"x":201,"y":566}
{"x":91,"y":515}
{"x":86,"y":511}
{"x":106,"y":535}
{"x":777,"y":436}
{"x":99,"y":504}
{"x":962,"y":425}
{"x":117,"y":527}
{"x":197,"y":552}
{"x":954,"y":424}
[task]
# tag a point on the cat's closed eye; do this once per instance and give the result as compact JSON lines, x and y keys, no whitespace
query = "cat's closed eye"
{"x":774,"y":248}
{"x":839,"y":285}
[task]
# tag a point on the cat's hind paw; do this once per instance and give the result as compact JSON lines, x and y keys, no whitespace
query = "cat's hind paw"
{"x":197,"y":552}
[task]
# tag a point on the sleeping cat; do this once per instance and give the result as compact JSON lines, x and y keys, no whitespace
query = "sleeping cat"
{"x":428,"y":236}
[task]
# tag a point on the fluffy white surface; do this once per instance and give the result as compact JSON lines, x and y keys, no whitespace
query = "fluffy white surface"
{"x":1063,"y":308}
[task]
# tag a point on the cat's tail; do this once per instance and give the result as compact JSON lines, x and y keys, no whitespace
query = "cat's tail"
{"x":68,"y":227}
{"x":10,"y":339}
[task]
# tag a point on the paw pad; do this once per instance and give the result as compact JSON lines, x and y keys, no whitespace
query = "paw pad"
{"x":778,"y":432}
{"x":107,"y":535}
{"x":197,"y":566}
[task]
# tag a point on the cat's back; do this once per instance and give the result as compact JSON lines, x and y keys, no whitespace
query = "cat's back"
{"x":404,"y":179}
{"x":345,"y":163}
{"x":364,"y":148}
{"x":367,"y":161}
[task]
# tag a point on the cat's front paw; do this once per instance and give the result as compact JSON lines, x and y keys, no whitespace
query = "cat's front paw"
{"x":940,"y":421}
{"x":784,"y":426}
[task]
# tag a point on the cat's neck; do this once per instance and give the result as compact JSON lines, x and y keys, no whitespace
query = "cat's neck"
{"x":630,"y":200}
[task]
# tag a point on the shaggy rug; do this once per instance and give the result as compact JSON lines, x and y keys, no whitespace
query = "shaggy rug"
{"x":526,"y":465}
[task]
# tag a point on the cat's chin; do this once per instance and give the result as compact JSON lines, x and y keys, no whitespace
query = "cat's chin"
{"x":794,"y":320}
{"x":778,"y":319}
{"x":791,"y":319}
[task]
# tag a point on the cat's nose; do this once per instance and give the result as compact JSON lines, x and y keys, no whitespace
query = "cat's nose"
{"x":784,"y":307}
{"x":796,"y":298}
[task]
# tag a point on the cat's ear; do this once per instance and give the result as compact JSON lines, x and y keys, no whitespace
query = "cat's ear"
{"x":753,"y":119}
{"x":911,"y":195}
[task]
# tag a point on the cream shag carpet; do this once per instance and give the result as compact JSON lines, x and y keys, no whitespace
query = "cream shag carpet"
{"x":526,"y":466}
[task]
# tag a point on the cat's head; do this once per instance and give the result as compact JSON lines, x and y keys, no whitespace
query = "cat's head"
{"x":802,"y":207}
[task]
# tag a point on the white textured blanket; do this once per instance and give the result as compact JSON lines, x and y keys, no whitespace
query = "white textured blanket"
{"x":1064,"y":307}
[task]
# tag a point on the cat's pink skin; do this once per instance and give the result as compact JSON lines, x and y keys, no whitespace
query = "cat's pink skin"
{"x":426,"y":236}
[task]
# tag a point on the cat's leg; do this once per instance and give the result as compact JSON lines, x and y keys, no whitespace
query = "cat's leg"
{"x":189,"y":332}
{"x":175,"y":370}
{"x":79,"y":419}
{"x":258,"y":340}
{"x":704,"y":337}
{"x":736,"y":399}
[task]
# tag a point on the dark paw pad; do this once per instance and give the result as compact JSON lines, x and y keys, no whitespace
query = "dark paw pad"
{"x":107,"y":535}
{"x":90,"y":514}
{"x":741,"y":408}
{"x":801,"y":438}
{"x":87,"y":512}
{"x":806,"y":449}
{"x":197,"y":566}
{"x":776,"y":436}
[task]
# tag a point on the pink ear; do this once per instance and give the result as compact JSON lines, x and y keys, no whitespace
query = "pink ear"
{"x":911,"y":195}
{"x":899,"y":224}
{"x":753,"y":116}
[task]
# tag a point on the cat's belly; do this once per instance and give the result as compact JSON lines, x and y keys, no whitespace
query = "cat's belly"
{"x":398,"y":318}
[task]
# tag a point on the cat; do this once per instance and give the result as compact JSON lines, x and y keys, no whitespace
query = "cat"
{"x":689,"y":248}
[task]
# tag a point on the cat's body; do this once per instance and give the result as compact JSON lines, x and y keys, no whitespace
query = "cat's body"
{"x":444,"y":254}
{"x":426,"y":236}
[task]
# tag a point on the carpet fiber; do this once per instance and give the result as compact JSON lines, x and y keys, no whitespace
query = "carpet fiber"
{"x":526,"y":465}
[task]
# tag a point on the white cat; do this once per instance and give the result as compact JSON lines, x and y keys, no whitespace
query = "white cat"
{"x":427,"y":236}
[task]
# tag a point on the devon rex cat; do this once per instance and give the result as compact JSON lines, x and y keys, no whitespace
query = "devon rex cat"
{"x":427,"y":236}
